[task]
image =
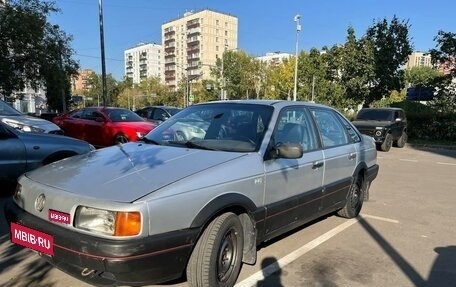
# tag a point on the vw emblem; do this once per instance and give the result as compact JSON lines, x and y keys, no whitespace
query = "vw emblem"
{"x":39,"y":202}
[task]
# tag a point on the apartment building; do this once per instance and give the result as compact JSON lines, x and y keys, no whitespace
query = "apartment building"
{"x":418,"y":59}
{"x":143,"y":61}
{"x":192,"y":44}
{"x":81,"y":82}
{"x":274,"y":58}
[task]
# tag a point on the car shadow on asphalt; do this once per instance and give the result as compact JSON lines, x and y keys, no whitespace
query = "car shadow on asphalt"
{"x":442,"y":273}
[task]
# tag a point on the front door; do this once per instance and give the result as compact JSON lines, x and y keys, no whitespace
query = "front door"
{"x":293,"y":186}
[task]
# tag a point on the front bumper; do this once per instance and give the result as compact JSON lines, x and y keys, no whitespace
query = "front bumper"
{"x":151,"y":260}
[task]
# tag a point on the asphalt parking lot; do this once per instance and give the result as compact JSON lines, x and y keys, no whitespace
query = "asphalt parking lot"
{"x":405,"y":236}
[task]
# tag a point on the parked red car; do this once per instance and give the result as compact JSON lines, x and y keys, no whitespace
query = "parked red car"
{"x":104,"y":126}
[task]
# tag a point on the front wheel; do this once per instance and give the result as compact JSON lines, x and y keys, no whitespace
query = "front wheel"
{"x":217,"y":257}
{"x":387,"y":143}
{"x":355,"y":200}
{"x":121,"y":139}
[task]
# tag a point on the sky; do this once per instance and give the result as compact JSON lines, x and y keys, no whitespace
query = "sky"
{"x":263,"y":26}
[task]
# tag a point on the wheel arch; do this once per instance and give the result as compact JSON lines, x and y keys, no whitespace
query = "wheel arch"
{"x":361,"y":173}
{"x":240,"y":205}
{"x":58,"y":156}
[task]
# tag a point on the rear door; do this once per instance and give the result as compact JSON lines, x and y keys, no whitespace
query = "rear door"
{"x":293,"y":187}
{"x":340,"y":157}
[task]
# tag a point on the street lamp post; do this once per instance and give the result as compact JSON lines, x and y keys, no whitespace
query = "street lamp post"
{"x":298,"y":28}
{"x":103,"y":66}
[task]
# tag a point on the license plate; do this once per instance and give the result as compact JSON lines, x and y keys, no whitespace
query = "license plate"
{"x":59,"y":217}
{"x":33,"y":239}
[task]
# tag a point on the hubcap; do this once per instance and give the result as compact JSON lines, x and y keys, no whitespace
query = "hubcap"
{"x":227,"y":256}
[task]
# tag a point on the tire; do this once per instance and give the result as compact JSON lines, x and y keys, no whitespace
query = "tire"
{"x":121,"y":139}
{"x":217,"y":257}
{"x":402,"y":140}
{"x":355,"y":199}
{"x":387,"y":143}
{"x":180,"y":136}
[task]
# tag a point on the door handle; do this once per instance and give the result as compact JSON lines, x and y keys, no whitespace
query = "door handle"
{"x":352,"y":156}
{"x":317,"y":164}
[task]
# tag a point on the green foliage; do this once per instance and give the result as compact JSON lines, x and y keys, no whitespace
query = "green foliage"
{"x":96,"y":89}
{"x":426,"y":123}
{"x":421,"y":76}
{"x":34,"y":52}
{"x":391,"y":47}
{"x":445,"y":52}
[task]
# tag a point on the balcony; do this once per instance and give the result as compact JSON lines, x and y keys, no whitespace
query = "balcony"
{"x":194,"y":39}
{"x":169,"y":31}
{"x":193,"y":49}
{"x":194,"y":31}
{"x":193,"y":23}
{"x":193,"y":56}
{"x":170,"y":61}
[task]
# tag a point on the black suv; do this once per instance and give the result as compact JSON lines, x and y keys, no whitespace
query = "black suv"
{"x":387,"y":126}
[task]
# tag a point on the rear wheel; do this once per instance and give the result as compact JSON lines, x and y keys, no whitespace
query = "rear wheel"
{"x":355,"y":200}
{"x":402,"y":140}
{"x":217,"y":257}
{"x":121,"y":139}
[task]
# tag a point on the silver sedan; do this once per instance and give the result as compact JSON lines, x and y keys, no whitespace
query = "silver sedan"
{"x":151,"y":211}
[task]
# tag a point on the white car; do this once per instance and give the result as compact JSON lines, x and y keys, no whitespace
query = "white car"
{"x":25,"y":123}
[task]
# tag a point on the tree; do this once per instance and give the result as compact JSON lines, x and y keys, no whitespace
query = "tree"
{"x":444,"y":55}
{"x":391,"y":48}
{"x":355,"y":63}
{"x":421,"y":76}
{"x":31,"y":50}
{"x":95,"y":91}
{"x":445,"y":52}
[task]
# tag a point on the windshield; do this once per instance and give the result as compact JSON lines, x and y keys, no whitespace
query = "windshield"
{"x":7,"y":110}
{"x":376,"y":115}
{"x":123,"y":115}
{"x":218,"y":126}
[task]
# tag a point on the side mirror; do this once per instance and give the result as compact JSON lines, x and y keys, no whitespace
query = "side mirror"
{"x":290,"y":151}
{"x":398,"y":120}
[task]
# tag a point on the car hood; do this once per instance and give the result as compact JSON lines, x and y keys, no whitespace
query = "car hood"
{"x":368,"y":124}
{"x":125,"y":173}
{"x":47,"y":126}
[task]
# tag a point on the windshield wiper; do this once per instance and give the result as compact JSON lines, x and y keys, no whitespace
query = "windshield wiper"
{"x":191,"y":144}
{"x":146,"y":140}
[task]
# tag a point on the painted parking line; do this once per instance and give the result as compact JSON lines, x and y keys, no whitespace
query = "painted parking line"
{"x":446,"y":163}
{"x":380,"y":218}
{"x":253,"y":279}
{"x":408,"y":160}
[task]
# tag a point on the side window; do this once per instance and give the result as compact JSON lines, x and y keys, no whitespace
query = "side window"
{"x":350,"y":130}
{"x":77,"y":114}
{"x":91,"y":115}
{"x":295,"y":127}
{"x":159,"y":114}
{"x":331,"y":130}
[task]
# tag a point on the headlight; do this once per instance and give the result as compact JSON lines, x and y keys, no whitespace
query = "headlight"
{"x":378,"y":131}
{"x":24,"y":128}
{"x":115,"y":223}
{"x":140,"y":135}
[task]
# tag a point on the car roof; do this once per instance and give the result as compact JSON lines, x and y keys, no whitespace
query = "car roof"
{"x":276,"y":103}
{"x":384,"y":108}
